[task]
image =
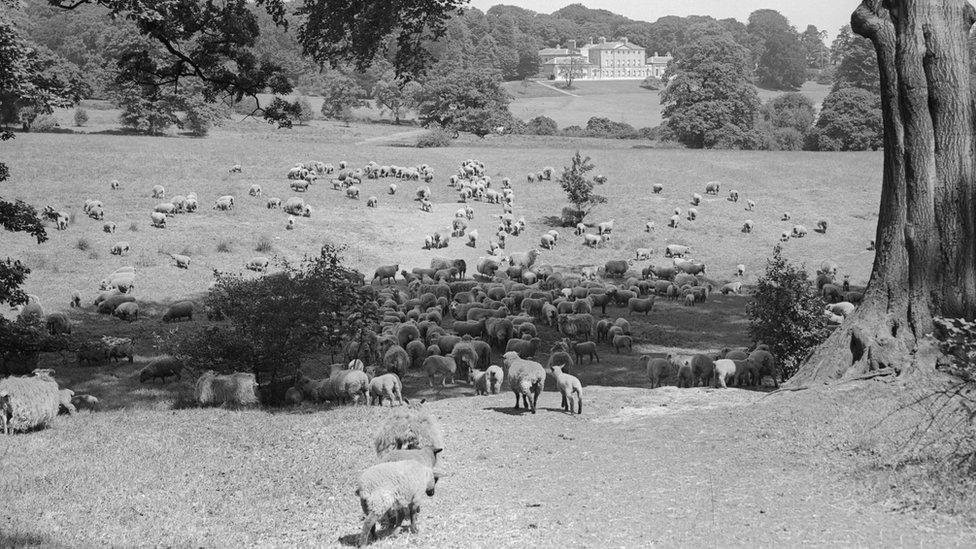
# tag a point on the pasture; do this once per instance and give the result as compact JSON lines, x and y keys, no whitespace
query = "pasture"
{"x":63,"y":170}
{"x":671,"y":467}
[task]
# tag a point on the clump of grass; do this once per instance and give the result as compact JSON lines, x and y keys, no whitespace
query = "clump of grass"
{"x":83,"y":244}
{"x":224,"y":246}
{"x":93,"y":255}
{"x":264,"y":245}
{"x":145,"y":260}
{"x":186,"y":251}
{"x":134,"y":227}
{"x":71,"y":218}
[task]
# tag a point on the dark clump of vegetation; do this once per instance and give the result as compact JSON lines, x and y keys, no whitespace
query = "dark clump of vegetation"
{"x":83,"y":244}
{"x":224,"y":246}
{"x":436,"y":137}
{"x":786,"y":313}
{"x":264,"y":245}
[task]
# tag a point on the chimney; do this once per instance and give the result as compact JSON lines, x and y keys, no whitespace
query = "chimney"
{"x":572,"y":45}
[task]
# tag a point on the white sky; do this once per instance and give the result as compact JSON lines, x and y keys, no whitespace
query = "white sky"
{"x":829,"y":15}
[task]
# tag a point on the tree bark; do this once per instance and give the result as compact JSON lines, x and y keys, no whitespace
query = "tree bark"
{"x":925,"y":263}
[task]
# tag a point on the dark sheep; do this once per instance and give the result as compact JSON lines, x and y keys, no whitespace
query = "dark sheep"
{"x":178,"y":311}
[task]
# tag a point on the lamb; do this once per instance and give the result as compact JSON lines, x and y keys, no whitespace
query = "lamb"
{"x":443,"y":366}
{"x":654,"y":368}
{"x":120,"y":248}
{"x":386,"y":386}
{"x":238,"y":388}
{"x":182,"y":261}
{"x":696,"y":199}
{"x":28,"y":402}
{"x":822,"y":226}
{"x":64,"y":402}
{"x":392,"y":490}
{"x":161,"y":368}
{"x":587,"y":348}
{"x":622,"y":341}
{"x":158,"y":220}
{"x":86,"y":402}
{"x":570,"y":388}
{"x":526,"y":379}
{"x":158,"y":191}
{"x":750,"y":205}
{"x":748,"y":226}
{"x":259,"y":264}
{"x":179,"y":310}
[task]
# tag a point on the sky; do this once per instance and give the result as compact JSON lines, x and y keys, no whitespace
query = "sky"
{"x":829,"y":15}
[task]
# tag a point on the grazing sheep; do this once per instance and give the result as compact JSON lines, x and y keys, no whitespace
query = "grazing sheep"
{"x":386,"y":386}
{"x":371,"y":202}
{"x":225,"y":202}
{"x":605,"y":227}
{"x":182,"y":261}
{"x":393,"y":490}
{"x":238,"y":388}
{"x":526,"y":379}
{"x":799,"y":231}
{"x":352,"y":192}
{"x":179,"y":310}
{"x":748,"y":226}
{"x":547,"y":242}
{"x":580,"y":229}
{"x":85,"y":402}
{"x":784,"y":237}
{"x":713,"y":187}
{"x":724,"y":370}
{"x":274,"y":202}
{"x":442,"y":366}
{"x":657,"y":188}
{"x":28,"y":402}
{"x":57,"y":323}
{"x":116,"y":348}
{"x":696,"y":199}
{"x":158,"y":220}
{"x":654,"y":368}
{"x":259,"y":264}
{"x":585,"y":348}
{"x":622,"y":341}
{"x":750,"y":205}
{"x":570,"y":388}
{"x":786,"y":216}
{"x":822,"y":226}
{"x":128,"y":311}
{"x":109,"y":227}
{"x":120,"y":248}
{"x":692,"y":214}
{"x":676,"y":250}
{"x":386,"y":272}
{"x":732,"y":288}
{"x":649,"y":227}
{"x":409,"y":427}
{"x":673,"y":222}
{"x":733,"y":195}
{"x":158,"y":191}
{"x":161,"y":368}
{"x":109,"y":305}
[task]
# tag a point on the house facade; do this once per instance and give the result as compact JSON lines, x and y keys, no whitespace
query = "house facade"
{"x":602,"y":60}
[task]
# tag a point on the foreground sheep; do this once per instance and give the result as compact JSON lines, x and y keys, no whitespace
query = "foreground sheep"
{"x":526,"y":378}
{"x":393,"y":490}
{"x":409,"y":427}
{"x":28,"y":402}
{"x":214,"y":390}
{"x":176,"y":311}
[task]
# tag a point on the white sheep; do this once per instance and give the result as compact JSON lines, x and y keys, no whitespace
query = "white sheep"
{"x":274,"y":202}
{"x":786,"y":216}
{"x":649,"y":227}
{"x":748,"y":226}
{"x":182,"y":261}
{"x":115,"y":185}
{"x":158,"y":220}
{"x":473,"y":238}
{"x":109,"y":227}
{"x":371,"y":202}
{"x":696,"y":199}
{"x":750,"y":205}
{"x":733,"y":195}
{"x":692,"y":214}
{"x":580,"y":229}
{"x":386,"y":386}
{"x":392,"y":189}
{"x":570,"y":388}
{"x":28,"y":402}
{"x":526,"y":378}
{"x":740,"y":270}
{"x":120,"y":248}
{"x":393,"y":489}
{"x":290,"y":224}
{"x":158,"y":191}
{"x":673,"y":222}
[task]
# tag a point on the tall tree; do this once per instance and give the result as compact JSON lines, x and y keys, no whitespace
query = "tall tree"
{"x":708,"y":96}
{"x":925,"y":264}
{"x":856,"y":60}
{"x":465,"y":100}
{"x":816,"y":50}
{"x":780,"y":59}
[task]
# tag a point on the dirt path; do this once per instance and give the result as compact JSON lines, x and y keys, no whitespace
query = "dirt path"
{"x":667,"y":467}
{"x":555,"y":89}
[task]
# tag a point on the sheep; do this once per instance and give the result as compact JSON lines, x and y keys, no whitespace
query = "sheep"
{"x":64,"y":402}
{"x":570,"y":388}
{"x":392,"y":189}
{"x":158,"y":220}
{"x":696,"y":199}
{"x":393,"y":489}
{"x":352,"y":192}
{"x":161,"y":368}
{"x":179,"y":310}
{"x":750,"y":205}
{"x":57,"y":323}
{"x":799,"y":231}
{"x":748,"y":226}
{"x":524,"y":348}
{"x":443,"y":366}
{"x":225,"y":202}
{"x":386,"y":386}
{"x":822,"y":226}
{"x":784,"y":237}
{"x":108,"y":306}
{"x":547,"y":242}
{"x":740,"y":270}
{"x":673,"y":222}
{"x":643,"y":254}
{"x":724,"y":369}
{"x":785,"y":217}
{"x":638,"y":305}
{"x":526,"y":379}
{"x":117,"y":347}
{"x":692,"y":214}
{"x":259,"y":264}
{"x":158,"y":191}
{"x":75,"y":301}
{"x":649,"y":227}
{"x":622,"y":341}
{"x":605,"y":227}
{"x":166,"y":208}
{"x":386,"y":272}
{"x":732,"y":288}
{"x":85,"y":402}
{"x":120,"y":248}
{"x":238,"y":389}
{"x":733,"y":195}
{"x":182,"y":261}
{"x":587,"y":348}
{"x":409,"y":427}
{"x":127,"y":311}
{"x":713,"y":187}
{"x":657,"y":188}
{"x":654,"y":368}
{"x":28,"y":402}
{"x":473,"y":239}
{"x":371,"y":202}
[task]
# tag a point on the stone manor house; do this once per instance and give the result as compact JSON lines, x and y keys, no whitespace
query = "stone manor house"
{"x":602,"y":60}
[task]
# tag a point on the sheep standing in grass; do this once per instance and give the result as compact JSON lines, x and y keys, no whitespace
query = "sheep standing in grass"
{"x":386,"y":386}
{"x":158,"y":191}
{"x":750,"y":205}
{"x":409,"y":427}
{"x":440,"y":366}
{"x":696,"y":199}
{"x":748,"y":226}
{"x":526,"y":378}
{"x":657,"y":188}
{"x":182,"y":261}
{"x":158,"y":220}
{"x":822,"y":226}
{"x":394,"y":490}
{"x":570,"y":388}
{"x":238,"y":389}
{"x":161,"y":368}
{"x":733,"y":195}
{"x":28,"y":402}
{"x":179,"y":310}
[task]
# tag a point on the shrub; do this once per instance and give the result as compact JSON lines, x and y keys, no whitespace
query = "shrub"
{"x":83,"y":244}
{"x":733,"y":137}
{"x":541,"y":125}
{"x":264,"y":245}
{"x":850,"y":120}
{"x":604,"y":127}
{"x":305,"y":112}
{"x":81,"y":117}
{"x":573,"y":131}
{"x":45,"y":123}
{"x":786,"y":313}
{"x":652,"y":83}
{"x":785,"y":139}
{"x":224,"y":246}
{"x":434,"y":138}
{"x":134,"y":227}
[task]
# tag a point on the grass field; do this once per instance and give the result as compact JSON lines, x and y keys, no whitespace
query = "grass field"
{"x":618,"y":100}
{"x":667,"y":467}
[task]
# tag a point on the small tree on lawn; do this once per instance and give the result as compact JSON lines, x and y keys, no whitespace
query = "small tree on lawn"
{"x":572,"y":70}
{"x":787,"y":313}
{"x":579,"y":188}
{"x":340,"y":95}
{"x":279,"y":318}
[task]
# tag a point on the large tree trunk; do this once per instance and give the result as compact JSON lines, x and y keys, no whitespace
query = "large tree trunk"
{"x":925,"y":265}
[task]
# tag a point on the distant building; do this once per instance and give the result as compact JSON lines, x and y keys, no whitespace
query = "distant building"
{"x":602,"y":60}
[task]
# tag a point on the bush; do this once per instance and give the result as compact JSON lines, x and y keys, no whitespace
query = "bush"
{"x":786,"y":313}
{"x":45,"y":123}
{"x":223,"y":247}
{"x":81,"y":117}
{"x":785,"y":139}
{"x":435,"y":138}
{"x":541,"y":125}
{"x":850,"y":120}
{"x":264,"y":245}
{"x":604,"y":127}
{"x":652,"y":83}
{"x":305,"y":112}
{"x":83,"y":244}
{"x":734,"y":137}
{"x":573,"y":131}
{"x":134,"y":227}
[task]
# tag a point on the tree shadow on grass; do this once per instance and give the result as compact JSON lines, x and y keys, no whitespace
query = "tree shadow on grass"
{"x":23,"y":539}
